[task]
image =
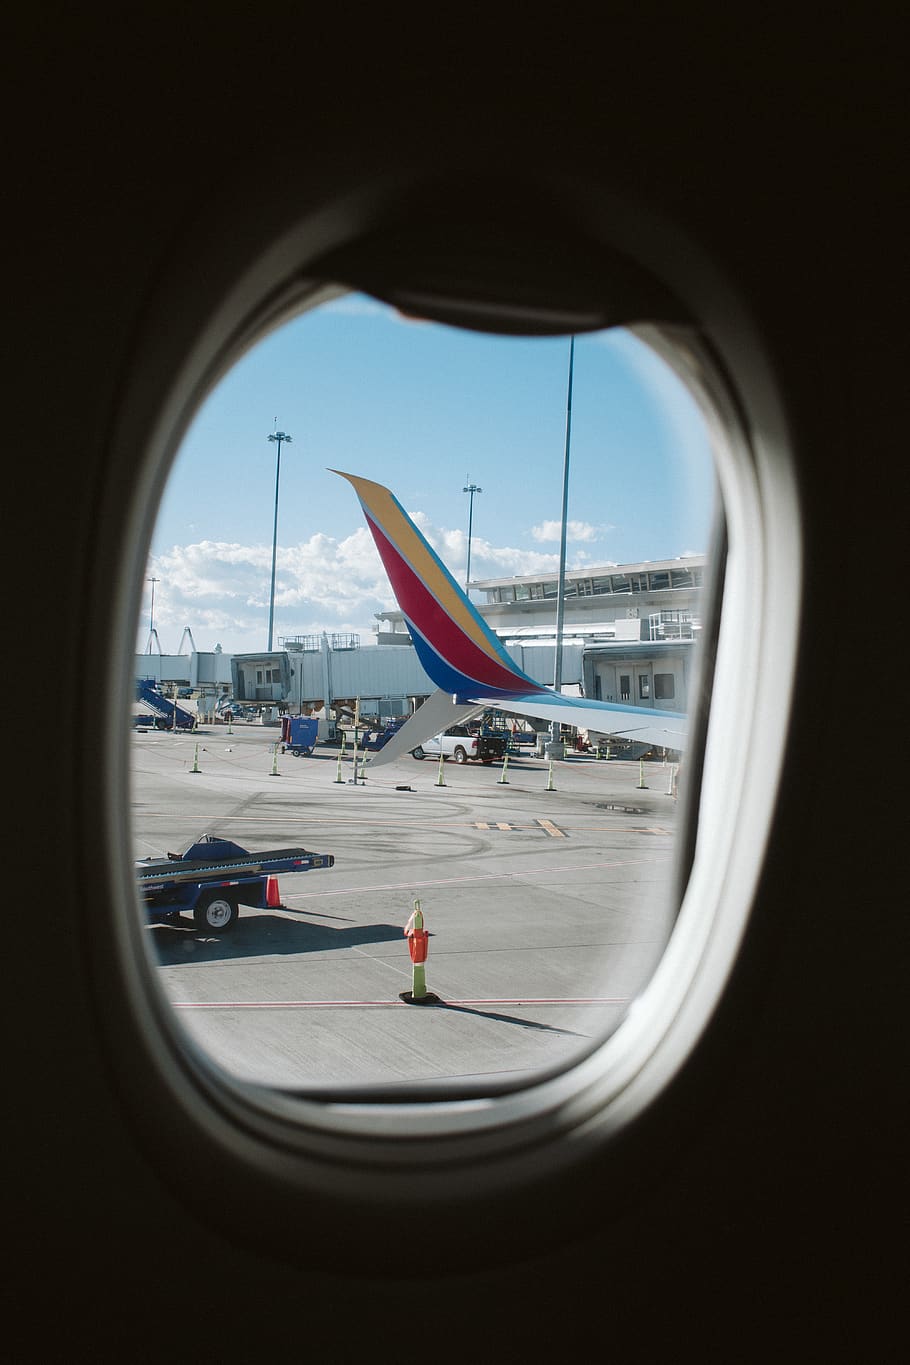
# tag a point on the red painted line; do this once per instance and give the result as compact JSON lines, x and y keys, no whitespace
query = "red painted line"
{"x":374,"y":1004}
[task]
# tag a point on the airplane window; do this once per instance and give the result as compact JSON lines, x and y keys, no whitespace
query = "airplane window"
{"x":517,"y":872}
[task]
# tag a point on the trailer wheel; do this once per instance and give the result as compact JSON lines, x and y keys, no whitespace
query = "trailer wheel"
{"x":460,"y":755}
{"x":215,"y":910}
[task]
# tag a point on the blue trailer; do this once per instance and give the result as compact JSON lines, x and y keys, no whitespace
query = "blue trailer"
{"x":214,"y":877}
{"x":298,"y":733}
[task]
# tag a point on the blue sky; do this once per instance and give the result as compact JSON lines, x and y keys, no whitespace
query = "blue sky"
{"x":423,"y":409}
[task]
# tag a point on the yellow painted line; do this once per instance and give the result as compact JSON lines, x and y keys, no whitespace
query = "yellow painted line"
{"x":341,"y":822}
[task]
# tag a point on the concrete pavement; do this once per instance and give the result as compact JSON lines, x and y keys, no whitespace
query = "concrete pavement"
{"x":546,"y":909}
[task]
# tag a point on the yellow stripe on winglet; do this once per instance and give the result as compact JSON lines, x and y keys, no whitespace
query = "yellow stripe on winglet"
{"x":380,"y":502}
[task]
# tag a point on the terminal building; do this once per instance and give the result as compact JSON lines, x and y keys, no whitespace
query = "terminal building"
{"x":628,"y":634}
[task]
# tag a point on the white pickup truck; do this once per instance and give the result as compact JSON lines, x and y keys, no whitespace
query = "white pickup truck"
{"x":460,"y":744}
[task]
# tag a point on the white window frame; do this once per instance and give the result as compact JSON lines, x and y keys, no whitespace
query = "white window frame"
{"x":373,"y":1149}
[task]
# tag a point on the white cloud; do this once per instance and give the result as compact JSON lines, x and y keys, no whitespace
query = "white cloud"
{"x":487,"y":560}
{"x":221,"y":590}
{"x":575,"y":530}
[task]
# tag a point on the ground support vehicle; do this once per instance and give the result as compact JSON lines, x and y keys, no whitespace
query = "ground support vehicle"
{"x":373,"y":740}
{"x":460,"y":744}
{"x":367,"y":736}
{"x":299,"y":734}
{"x":519,"y":741}
{"x":214,"y":877}
{"x":166,"y":714}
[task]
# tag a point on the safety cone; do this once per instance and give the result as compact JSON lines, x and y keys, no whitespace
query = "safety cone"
{"x":196,"y":768}
{"x":440,"y":780}
{"x":418,"y":946}
{"x":338,"y":777}
{"x":505,"y":768}
{"x":641,"y":774}
{"x":550,"y":787}
{"x":274,"y":772}
{"x":272,"y":894}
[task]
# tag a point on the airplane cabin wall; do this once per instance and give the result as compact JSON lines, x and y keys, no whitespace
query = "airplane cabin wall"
{"x":766,"y":1230}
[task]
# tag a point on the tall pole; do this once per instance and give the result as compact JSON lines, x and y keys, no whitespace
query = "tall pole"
{"x":472,"y":489}
{"x":153,"y":581}
{"x":279,"y":436}
{"x":561,"y":590}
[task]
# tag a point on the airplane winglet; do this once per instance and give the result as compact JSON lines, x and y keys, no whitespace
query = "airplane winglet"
{"x":455,"y":645}
{"x":461,"y":654}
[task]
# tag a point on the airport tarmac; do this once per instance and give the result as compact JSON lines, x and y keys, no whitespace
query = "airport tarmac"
{"x":546,"y":909}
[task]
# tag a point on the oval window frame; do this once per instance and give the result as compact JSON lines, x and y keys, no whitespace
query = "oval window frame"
{"x":367,"y":1155}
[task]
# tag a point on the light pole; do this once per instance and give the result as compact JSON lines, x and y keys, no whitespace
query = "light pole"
{"x":561,"y":590}
{"x":153,"y":581}
{"x":471,"y":488}
{"x":279,"y":436}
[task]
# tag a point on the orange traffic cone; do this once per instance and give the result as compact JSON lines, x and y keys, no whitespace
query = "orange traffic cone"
{"x":272,"y":894}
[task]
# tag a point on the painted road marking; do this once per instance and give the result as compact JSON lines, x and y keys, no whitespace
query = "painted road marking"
{"x":344,"y":822}
{"x":546,"y":825}
{"x":362,"y":1004}
{"x":478,"y":877}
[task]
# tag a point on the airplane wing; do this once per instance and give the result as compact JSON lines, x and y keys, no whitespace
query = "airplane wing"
{"x":437,"y":713}
{"x":461,"y":654}
{"x":663,"y":729}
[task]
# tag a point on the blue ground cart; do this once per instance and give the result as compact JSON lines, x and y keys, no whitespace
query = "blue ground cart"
{"x":214,"y":877}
